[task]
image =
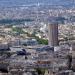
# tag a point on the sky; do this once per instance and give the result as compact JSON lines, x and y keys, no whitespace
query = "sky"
{"x":32,"y":2}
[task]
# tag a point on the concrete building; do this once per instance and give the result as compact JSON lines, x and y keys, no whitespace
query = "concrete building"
{"x":4,"y":46}
{"x":53,"y":34}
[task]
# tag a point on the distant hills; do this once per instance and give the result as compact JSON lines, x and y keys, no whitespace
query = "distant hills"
{"x":4,"y":3}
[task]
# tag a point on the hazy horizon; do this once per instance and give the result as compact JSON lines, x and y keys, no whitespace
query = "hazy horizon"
{"x":33,"y":2}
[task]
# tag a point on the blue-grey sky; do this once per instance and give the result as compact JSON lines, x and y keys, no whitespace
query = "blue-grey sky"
{"x":30,"y":2}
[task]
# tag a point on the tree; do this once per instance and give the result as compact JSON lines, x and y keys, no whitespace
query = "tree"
{"x":42,"y":41}
{"x":40,"y":71}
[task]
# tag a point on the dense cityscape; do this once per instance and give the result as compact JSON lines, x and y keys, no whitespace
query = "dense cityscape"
{"x":37,"y":39}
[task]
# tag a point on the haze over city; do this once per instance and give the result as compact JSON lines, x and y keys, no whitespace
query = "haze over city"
{"x":34,"y":2}
{"x":37,"y":37}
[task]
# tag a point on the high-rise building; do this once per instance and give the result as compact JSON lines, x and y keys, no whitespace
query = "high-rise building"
{"x":53,"y":34}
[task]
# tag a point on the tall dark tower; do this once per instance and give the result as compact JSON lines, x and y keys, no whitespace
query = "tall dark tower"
{"x":53,"y":34}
